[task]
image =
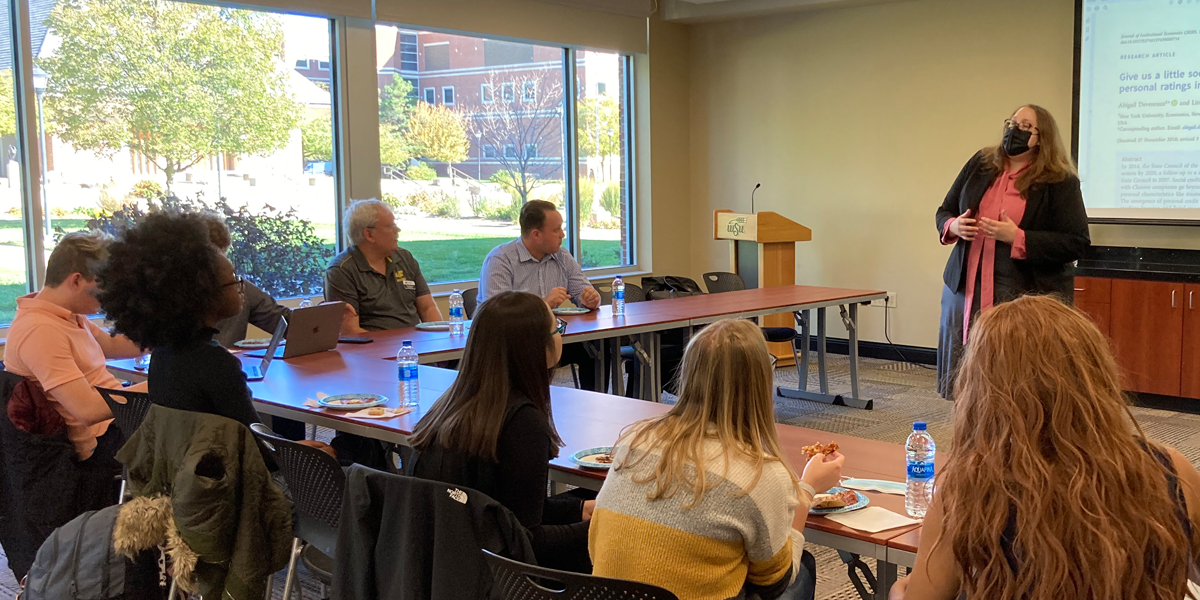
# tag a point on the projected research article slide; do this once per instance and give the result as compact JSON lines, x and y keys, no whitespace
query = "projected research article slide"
{"x":1139,"y":108}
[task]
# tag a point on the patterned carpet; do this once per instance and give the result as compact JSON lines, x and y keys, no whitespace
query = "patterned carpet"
{"x":903,"y":393}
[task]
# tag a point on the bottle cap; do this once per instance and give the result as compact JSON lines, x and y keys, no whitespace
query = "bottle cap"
{"x":406,"y":344}
{"x":918,"y":425}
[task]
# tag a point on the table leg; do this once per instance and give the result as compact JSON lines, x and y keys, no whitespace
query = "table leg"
{"x":805,"y":346}
{"x":822,"y":375}
{"x":853,"y":329}
{"x":601,"y":359}
{"x":885,"y":577}
{"x":823,"y":394}
{"x":616,"y":366}
{"x":656,"y":366}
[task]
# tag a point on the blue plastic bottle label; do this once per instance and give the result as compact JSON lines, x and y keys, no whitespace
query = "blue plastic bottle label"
{"x":408,"y":373}
{"x":456,"y":312}
{"x":619,"y":295}
{"x":920,"y":471}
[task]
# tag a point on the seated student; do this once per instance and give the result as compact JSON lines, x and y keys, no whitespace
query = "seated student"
{"x":380,"y":281}
{"x":166,"y":287}
{"x":52,"y":342}
{"x":537,"y":263}
{"x":707,"y":486}
{"x":1053,"y":490}
{"x":492,"y":430}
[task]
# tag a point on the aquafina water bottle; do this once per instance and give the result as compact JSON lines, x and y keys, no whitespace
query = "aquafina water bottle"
{"x":618,"y":302}
{"x":305,"y":303}
{"x":456,"y":313}
{"x":410,"y":389}
{"x":920,"y":450}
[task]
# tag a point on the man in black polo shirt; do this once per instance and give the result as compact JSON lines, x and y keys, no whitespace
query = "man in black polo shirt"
{"x":380,"y":280}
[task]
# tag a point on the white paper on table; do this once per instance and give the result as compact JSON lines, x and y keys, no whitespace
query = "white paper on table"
{"x":874,"y":485}
{"x":871,"y":519}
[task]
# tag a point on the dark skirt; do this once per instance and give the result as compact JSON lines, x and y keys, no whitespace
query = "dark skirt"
{"x":1006,"y":286}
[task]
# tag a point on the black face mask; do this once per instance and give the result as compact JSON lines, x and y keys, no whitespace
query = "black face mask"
{"x":1016,"y":141}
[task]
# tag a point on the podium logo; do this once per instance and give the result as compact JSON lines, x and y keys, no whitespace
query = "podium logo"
{"x":736,"y":226}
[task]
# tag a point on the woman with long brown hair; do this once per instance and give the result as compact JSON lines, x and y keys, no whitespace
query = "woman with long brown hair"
{"x":493,"y":430}
{"x":701,"y":501}
{"x":1052,"y":490}
{"x":1016,"y":219}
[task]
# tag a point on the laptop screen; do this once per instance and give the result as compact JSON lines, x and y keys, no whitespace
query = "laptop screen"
{"x":280,"y":329}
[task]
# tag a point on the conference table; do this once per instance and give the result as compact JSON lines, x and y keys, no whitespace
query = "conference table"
{"x":585,"y":419}
{"x":646,"y":321}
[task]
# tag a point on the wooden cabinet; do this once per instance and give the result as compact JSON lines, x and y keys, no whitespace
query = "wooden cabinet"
{"x":1093,"y":296}
{"x":1189,"y":385}
{"x":1146,"y":327}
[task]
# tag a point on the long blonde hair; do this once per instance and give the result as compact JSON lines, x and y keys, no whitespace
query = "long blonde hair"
{"x":1043,"y":433}
{"x":725,"y":393}
{"x":1051,"y":162}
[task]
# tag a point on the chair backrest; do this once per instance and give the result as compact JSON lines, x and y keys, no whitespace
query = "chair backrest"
{"x":720,"y":281}
{"x":519,"y":581}
{"x":314,"y":478}
{"x":470,"y":302}
{"x":129,"y":411}
{"x":634,"y":293}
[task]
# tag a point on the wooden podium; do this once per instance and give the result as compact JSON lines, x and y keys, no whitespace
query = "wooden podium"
{"x":762,"y":249}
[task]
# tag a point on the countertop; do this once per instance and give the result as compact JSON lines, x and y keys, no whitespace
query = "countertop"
{"x":1141,"y":263}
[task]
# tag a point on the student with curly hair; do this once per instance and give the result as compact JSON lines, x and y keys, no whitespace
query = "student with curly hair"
{"x":165,"y":287}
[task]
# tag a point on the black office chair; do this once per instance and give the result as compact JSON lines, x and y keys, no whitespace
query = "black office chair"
{"x":470,"y":302}
{"x":128,"y":408}
{"x":518,"y":581}
{"x":719,"y":282}
{"x":316,"y":483}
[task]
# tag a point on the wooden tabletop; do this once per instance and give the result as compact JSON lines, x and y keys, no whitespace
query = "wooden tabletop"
{"x":907,"y":542}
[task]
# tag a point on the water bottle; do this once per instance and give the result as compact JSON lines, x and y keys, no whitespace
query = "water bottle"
{"x":920,"y":450}
{"x":618,"y":302}
{"x":305,"y":303}
{"x":142,"y":362}
{"x":410,"y":389}
{"x":456,"y":313}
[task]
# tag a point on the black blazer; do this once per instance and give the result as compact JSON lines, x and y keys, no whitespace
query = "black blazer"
{"x":1055,"y":225}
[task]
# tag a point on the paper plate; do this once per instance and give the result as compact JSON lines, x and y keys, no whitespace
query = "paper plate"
{"x":587,"y":458}
{"x":863,"y":501}
{"x":572,"y":311}
{"x":256,"y":343}
{"x":338,"y":402}
{"x":439,"y":325}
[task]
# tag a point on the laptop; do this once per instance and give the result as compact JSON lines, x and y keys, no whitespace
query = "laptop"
{"x":312,"y":329}
{"x":259,"y":371}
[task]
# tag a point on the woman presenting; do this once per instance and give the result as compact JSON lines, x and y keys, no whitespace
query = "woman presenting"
{"x":1016,"y":218}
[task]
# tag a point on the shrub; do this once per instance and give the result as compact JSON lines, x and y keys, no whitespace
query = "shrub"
{"x":147,"y":189}
{"x":273,"y":249}
{"x":422,"y":172}
{"x":59,"y":212}
{"x":390,"y":199}
{"x":436,"y":203}
{"x":587,"y":197}
{"x":500,"y":211}
{"x":610,"y":200}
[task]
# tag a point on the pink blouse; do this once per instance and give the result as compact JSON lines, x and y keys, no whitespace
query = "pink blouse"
{"x":1001,"y":198}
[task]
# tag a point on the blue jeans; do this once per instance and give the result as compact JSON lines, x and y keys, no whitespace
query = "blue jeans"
{"x":805,"y":586}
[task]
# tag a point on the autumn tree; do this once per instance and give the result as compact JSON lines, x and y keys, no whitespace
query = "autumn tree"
{"x":519,"y":125}
{"x":174,"y":81}
{"x":438,"y":133}
{"x":316,"y":140}
{"x":395,"y":151}
{"x":8,"y":107}
{"x":600,"y":129}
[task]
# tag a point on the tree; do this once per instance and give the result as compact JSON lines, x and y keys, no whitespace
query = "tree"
{"x":394,"y":149}
{"x":316,"y":139}
{"x":8,"y":108}
{"x":174,"y":81}
{"x":600,"y":129}
{"x":438,"y":133}
{"x":518,"y":127}
{"x":396,"y":104}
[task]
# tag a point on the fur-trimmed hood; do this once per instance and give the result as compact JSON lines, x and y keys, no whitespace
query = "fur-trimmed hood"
{"x":148,"y":522}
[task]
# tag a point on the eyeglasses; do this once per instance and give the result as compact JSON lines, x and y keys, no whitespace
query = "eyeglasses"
{"x":562,"y":327}
{"x":239,"y":282}
{"x":1009,"y":124}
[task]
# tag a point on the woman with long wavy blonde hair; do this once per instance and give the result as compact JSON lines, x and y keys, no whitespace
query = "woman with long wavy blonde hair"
{"x":1052,"y":490}
{"x":701,"y":500}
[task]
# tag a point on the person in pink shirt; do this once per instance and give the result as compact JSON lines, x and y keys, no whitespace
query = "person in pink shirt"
{"x":52,"y":342}
{"x":1016,"y":219}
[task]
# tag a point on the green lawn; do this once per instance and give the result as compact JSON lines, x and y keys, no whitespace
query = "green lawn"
{"x":9,"y":292}
{"x":459,"y":258}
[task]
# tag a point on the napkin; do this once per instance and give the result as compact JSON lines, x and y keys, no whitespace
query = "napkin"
{"x":871,"y":519}
{"x":874,"y":485}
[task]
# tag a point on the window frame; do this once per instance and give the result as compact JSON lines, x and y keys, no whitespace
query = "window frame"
{"x":526,"y":96}
{"x":430,"y":96}
{"x":508,"y":92}
{"x":486,"y":94}
{"x":449,"y":88}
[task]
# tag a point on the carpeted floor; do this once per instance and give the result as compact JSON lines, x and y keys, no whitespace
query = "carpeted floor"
{"x":903,"y":393}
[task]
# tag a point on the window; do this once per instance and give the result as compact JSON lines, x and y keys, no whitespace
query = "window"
{"x":266,"y":153}
{"x":605,"y":227}
{"x":302,"y":63}
{"x":408,"y":51}
{"x":529,"y":92}
{"x":414,"y":86}
{"x":323,"y":65}
{"x":508,"y":151}
{"x":430,"y":96}
{"x":13,"y":267}
{"x":437,"y":56}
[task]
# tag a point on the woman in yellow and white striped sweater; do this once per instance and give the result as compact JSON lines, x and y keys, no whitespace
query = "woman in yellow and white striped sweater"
{"x":701,"y":500}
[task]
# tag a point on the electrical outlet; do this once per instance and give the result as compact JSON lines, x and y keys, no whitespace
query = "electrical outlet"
{"x":889,"y":302}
